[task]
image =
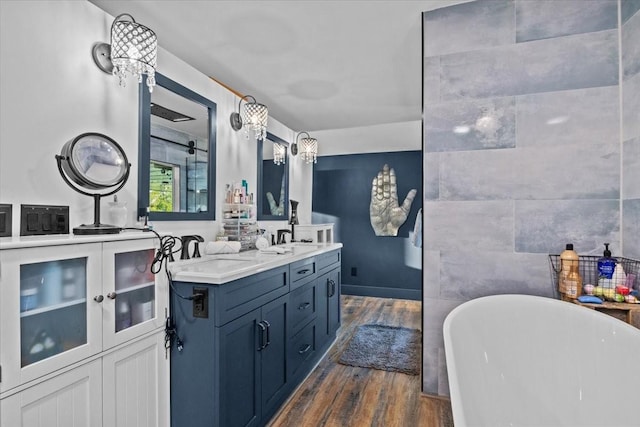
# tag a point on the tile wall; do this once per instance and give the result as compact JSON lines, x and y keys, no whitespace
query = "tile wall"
{"x":630,"y":47}
{"x":522,"y":148}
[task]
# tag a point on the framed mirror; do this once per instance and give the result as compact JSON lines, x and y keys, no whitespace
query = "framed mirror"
{"x":273,"y":179}
{"x":177,"y":153}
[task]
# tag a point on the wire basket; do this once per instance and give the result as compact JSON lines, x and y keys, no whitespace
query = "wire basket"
{"x":588,"y":268}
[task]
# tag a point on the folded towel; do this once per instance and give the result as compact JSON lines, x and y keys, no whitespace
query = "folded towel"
{"x":273,"y":250}
{"x":222,"y":247}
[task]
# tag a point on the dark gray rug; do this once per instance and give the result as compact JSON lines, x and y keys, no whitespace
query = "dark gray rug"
{"x":388,"y":348}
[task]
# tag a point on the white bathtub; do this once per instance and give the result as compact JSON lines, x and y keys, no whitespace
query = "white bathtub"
{"x":518,"y":360}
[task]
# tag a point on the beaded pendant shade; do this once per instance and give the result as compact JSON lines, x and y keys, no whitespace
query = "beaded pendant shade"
{"x":134,"y":50}
{"x":254,"y":117}
{"x":279,"y":154}
{"x":308,"y":148}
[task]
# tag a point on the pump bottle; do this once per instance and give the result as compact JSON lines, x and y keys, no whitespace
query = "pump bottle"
{"x":606,"y":267}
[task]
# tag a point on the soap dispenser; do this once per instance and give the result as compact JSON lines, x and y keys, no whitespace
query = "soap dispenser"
{"x":606,"y":267}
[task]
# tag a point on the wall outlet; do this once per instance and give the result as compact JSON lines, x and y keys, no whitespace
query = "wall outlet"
{"x":354,"y":271}
{"x":201,"y":302}
{"x":5,"y":220}
{"x":43,"y":219}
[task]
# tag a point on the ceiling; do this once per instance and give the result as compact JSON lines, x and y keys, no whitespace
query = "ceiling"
{"x":316,"y":64}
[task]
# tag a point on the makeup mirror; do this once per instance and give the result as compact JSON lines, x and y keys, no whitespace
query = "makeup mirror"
{"x":273,"y":179}
{"x":95,"y":162}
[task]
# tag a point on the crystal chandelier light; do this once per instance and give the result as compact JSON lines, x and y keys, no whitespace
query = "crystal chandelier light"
{"x":279,"y":153}
{"x":133,"y":51}
{"x":308,"y":148}
{"x":254,"y":116}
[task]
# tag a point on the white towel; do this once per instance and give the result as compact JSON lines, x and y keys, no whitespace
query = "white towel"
{"x":273,"y":250}
{"x":222,"y":247}
{"x":417,"y":230}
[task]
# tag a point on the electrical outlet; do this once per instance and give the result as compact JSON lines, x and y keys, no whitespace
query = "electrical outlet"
{"x":201,"y":302}
{"x":43,"y":219}
{"x":5,"y":220}
{"x":354,"y":271}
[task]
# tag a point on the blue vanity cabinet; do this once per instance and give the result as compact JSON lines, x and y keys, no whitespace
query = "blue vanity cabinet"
{"x":252,"y":365}
{"x":232,"y":368}
{"x":303,"y":312}
{"x":262,"y":335}
{"x":329,"y":266}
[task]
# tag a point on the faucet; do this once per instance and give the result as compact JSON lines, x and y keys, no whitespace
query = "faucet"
{"x":281,"y":234}
{"x":184,"y":254}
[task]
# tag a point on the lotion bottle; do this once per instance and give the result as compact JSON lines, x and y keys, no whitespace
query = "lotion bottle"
{"x":568,"y":258}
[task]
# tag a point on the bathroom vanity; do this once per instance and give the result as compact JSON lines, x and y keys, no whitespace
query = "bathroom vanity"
{"x":82,"y":331}
{"x":257,"y":327}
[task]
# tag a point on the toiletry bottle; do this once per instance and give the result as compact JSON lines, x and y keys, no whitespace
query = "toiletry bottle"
{"x":573,"y":282}
{"x":606,"y":266}
{"x":568,"y":258}
{"x":118,"y":212}
{"x":123,"y":315}
{"x":619,"y":276}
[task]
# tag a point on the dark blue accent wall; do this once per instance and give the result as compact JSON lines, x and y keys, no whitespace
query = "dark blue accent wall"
{"x":342,"y":189}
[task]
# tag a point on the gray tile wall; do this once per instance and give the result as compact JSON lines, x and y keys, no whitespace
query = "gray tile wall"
{"x":630,"y":54}
{"x":522,"y":148}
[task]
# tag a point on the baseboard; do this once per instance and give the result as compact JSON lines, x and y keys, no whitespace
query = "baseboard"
{"x":380,"y":292}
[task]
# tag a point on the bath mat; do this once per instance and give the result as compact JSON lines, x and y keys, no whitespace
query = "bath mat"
{"x":387,"y":348}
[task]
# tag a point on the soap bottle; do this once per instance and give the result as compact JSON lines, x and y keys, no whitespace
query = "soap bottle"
{"x":573,"y":282}
{"x":568,"y":258}
{"x":606,"y":266}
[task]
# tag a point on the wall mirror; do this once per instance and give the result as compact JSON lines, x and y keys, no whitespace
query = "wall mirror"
{"x":273,"y":179}
{"x":177,"y":153}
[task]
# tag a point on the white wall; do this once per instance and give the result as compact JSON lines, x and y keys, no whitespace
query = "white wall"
{"x":52,"y":91}
{"x":403,"y":136}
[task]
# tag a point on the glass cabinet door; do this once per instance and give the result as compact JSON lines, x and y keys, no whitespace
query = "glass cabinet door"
{"x":135,"y":302}
{"x":53,"y":308}
{"x":48,"y":320}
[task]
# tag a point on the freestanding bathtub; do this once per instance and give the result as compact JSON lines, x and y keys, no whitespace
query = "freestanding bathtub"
{"x":518,"y":360}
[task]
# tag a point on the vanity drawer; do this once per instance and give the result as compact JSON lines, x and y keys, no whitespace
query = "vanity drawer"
{"x":239,"y":297}
{"x":302,"y":271}
{"x":303,"y":304}
{"x":328,"y":259}
{"x":302,"y":348}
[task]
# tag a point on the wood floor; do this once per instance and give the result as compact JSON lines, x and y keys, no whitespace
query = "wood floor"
{"x":336,"y":395}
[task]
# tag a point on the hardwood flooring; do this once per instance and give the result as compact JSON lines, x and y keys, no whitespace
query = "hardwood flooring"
{"x":336,"y":395}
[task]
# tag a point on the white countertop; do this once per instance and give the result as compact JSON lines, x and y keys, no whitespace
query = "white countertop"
{"x":16,"y":242}
{"x":219,"y":269}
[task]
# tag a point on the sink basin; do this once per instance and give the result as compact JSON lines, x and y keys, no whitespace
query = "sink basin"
{"x":226,"y":263}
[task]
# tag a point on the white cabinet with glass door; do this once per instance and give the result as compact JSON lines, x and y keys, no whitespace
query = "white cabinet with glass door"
{"x":49,"y":317}
{"x":136,"y":301}
{"x":75,"y":301}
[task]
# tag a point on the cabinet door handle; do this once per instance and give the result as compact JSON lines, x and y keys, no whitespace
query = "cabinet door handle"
{"x":305,"y":349}
{"x":98,"y":298}
{"x":268,"y":325}
{"x":263,"y":328}
{"x":304,"y":271}
{"x":331,"y":288}
{"x":304,"y":306}
{"x":112,"y":295}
